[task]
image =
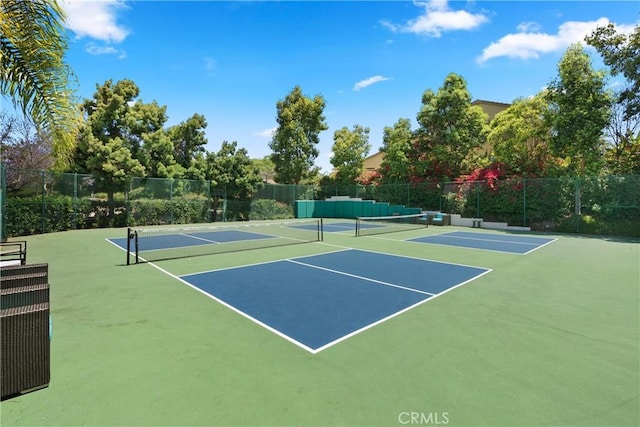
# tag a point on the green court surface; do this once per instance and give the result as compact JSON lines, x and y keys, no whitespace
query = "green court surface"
{"x":550,"y":338}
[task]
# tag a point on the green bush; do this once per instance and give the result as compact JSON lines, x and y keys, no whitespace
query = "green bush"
{"x":33,"y":215}
{"x":157,"y":212}
{"x":270,"y":209}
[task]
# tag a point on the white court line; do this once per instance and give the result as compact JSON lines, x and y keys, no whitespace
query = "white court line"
{"x":380,"y":282}
{"x":261,"y":263}
{"x":535,"y":249}
{"x":108,"y":239}
{"x":199,"y":238}
{"x":486,"y":240}
{"x":371,"y":325}
{"x":240,"y":312}
{"x":407,"y":256}
{"x":449,"y":234}
{"x":343,"y":338}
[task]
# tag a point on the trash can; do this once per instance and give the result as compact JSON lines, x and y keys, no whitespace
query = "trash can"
{"x":25,"y":328}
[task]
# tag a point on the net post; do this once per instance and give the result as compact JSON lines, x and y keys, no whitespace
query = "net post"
{"x":357,"y":224}
{"x":128,"y":245}
{"x":321,"y":231}
{"x":136,"y":244}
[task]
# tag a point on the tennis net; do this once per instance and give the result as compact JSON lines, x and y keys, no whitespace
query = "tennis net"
{"x":366,"y":226}
{"x":161,"y":243}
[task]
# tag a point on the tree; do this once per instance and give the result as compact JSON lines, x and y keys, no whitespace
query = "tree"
{"x":580,"y":110}
{"x":156,"y":156}
{"x":622,"y":54}
{"x":294,"y":144}
{"x":111,"y":163}
{"x":33,"y":72}
{"x":24,"y":149}
{"x":112,"y":145}
{"x":396,"y":145}
{"x":520,"y":137}
{"x":450,"y":128}
{"x":623,"y":141}
{"x":350,"y":148}
{"x":232,"y":169}
{"x":188,"y":139}
{"x":266,"y":167}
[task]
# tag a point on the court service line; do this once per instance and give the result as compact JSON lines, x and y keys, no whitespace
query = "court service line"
{"x":200,"y":238}
{"x":413,"y":241}
{"x":453,"y":236}
{"x":410,"y":257}
{"x":355,"y":276}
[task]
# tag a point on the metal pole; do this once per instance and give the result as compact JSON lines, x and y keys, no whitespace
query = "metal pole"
{"x":129,"y":235}
{"x":43,"y":202}
{"x":524,"y":202}
{"x":171,"y":200}
{"x":477,"y":200}
{"x":75,"y":200}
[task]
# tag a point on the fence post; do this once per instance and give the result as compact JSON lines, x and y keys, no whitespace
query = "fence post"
{"x":75,"y":200}
{"x":171,"y":200}
{"x":224,"y":204}
{"x":478,"y":199}
{"x":524,"y":202}
{"x":578,"y":203}
{"x":43,"y":183}
{"x":207,"y":216}
{"x":3,"y":203}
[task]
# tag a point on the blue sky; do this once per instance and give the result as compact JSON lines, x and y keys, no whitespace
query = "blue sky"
{"x":370,"y":60}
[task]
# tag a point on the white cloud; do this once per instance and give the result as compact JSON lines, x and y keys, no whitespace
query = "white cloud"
{"x":525,"y":27}
{"x":95,"y":19}
{"x":370,"y":81}
{"x":438,"y":18}
{"x":529,"y":42}
{"x":267,"y":133}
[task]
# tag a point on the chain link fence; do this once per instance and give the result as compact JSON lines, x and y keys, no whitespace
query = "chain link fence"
{"x":38,"y":201}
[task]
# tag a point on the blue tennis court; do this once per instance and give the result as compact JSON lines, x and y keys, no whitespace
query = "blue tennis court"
{"x":516,"y":244}
{"x":317,"y":301}
{"x":186,"y":239}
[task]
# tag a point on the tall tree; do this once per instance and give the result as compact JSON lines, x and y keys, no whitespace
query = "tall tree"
{"x":232,"y":168}
{"x":450,"y":128}
{"x":580,"y":111}
{"x":110,"y":163}
{"x":188,"y":139}
{"x":396,"y":145}
{"x":623,"y":141}
{"x":33,"y":73}
{"x":622,"y":53}
{"x":520,"y":137}
{"x":120,"y":136}
{"x":156,"y":155}
{"x":294,"y":144}
{"x":350,"y":148}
